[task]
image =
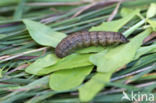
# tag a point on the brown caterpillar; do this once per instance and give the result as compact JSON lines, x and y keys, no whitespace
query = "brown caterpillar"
{"x":85,"y":39}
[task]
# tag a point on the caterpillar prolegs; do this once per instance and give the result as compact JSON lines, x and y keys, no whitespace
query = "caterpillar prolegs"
{"x":86,"y":39}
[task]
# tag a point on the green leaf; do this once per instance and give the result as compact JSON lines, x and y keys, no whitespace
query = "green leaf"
{"x":151,"y":11}
{"x":144,"y":50}
{"x":125,"y":11}
{"x":43,"y":34}
{"x":95,"y":57}
{"x":92,"y":49}
{"x":69,"y":62}
{"x":93,"y":86}
{"x":116,"y":24}
{"x":117,"y":57}
{"x":68,"y":79}
{"x":153,"y":24}
{"x":41,"y":63}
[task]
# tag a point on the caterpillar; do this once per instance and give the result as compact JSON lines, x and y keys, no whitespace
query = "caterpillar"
{"x":86,"y":39}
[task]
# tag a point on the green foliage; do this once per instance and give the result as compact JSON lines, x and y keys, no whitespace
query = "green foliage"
{"x":76,"y":73}
{"x":133,"y":28}
{"x":153,"y":24}
{"x":145,"y":50}
{"x":1,"y":70}
{"x":125,"y":11}
{"x":56,"y":0}
{"x":68,"y":79}
{"x":151,"y":11}
{"x":153,"y":67}
{"x":116,"y":24}
{"x":108,"y":61}
{"x":8,"y":2}
{"x":89,"y":90}
{"x":42,"y":34}
{"x":92,"y":49}
{"x":19,"y":10}
{"x":118,"y":57}
{"x":41,"y":63}
{"x":142,"y":62}
{"x":69,"y":62}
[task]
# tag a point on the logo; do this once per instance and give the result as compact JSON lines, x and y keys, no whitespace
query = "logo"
{"x":125,"y":96}
{"x":137,"y":96}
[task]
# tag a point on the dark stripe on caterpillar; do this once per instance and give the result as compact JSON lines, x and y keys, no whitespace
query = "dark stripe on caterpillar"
{"x":86,"y":39}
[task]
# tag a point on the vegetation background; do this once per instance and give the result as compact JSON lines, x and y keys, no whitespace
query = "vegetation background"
{"x":31,"y":73}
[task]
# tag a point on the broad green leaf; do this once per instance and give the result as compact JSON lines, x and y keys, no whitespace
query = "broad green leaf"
{"x":153,"y":24}
{"x":43,"y":34}
{"x":69,"y":62}
{"x":95,"y":57}
{"x":151,"y":11}
{"x":89,"y":90}
{"x":125,"y":11}
{"x":116,"y":24}
{"x":68,"y":79}
{"x":145,"y":50}
{"x":117,"y":57}
{"x":92,"y":49}
{"x":41,"y":63}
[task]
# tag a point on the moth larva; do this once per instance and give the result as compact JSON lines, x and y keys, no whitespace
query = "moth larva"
{"x":86,"y":39}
